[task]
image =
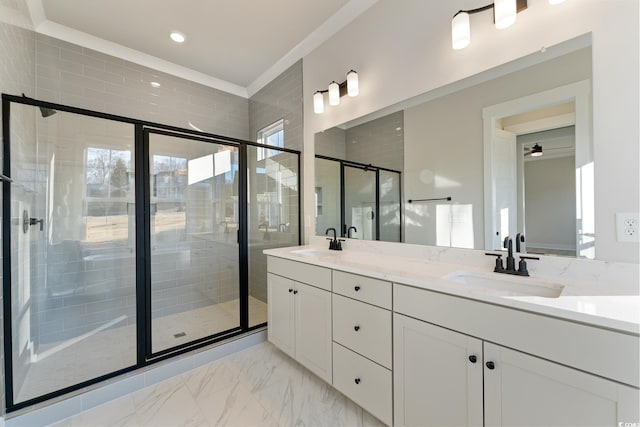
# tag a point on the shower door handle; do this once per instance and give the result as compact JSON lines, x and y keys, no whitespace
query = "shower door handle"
{"x":27,"y":221}
{"x":34,"y":221}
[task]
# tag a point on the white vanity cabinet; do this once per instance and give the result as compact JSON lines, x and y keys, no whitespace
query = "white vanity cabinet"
{"x":525,"y":390}
{"x":362,"y":345}
{"x":437,"y":375}
{"x":300,"y":313}
{"x":444,"y":377}
{"x":413,"y":356}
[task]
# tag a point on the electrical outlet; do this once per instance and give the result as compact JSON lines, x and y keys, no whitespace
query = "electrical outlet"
{"x":627,"y":227}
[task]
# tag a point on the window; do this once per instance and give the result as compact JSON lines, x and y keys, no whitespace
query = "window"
{"x":110,"y":192}
{"x":271,"y":135}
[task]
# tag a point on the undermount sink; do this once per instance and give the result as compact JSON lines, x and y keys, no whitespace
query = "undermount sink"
{"x":505,"y":285}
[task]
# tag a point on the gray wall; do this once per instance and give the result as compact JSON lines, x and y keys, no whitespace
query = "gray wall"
{"x":74,"y":75}
{"x":280,"y":99}
{"x":443,"y":148}
{"x":378,"y":142}
{"x":17,"y":75}
{"x":331,"y":143}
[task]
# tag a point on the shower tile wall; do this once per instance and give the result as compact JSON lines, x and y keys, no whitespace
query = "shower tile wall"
{"x":379,"y":142}
{"x":17,"y":75}
{"x":81,"y":77}
{"x":280,"y":99}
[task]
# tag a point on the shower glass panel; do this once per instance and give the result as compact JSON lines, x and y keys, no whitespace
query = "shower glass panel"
{"x":360,"y":202}
{"x":195,"y":285}
{"x":390,"y":215}
{"x":72,"y":249}
{"x":273,"y":216}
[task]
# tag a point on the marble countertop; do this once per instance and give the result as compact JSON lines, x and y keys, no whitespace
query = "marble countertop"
{"x":583,"y":304}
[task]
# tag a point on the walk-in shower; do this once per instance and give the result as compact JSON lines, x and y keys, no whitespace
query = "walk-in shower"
{"x":359,"y":200}
{"x":126,"y":242}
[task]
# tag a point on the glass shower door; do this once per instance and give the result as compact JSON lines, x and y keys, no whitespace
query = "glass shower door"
{"x":193,"y":195}
{"x":360,"y":210}
{"x":273,"y":217}
{"x":72,"y":278}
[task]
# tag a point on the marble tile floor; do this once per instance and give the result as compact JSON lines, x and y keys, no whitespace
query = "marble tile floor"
{"x":259,"y":386}
{"x":113,"y":349}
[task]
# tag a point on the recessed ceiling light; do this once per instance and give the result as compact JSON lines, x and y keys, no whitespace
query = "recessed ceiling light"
{"x":177,"y":36}
{"x":155,"y":84}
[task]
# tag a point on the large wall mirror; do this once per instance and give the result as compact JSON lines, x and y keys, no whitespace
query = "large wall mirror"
{"x":469,"y":158}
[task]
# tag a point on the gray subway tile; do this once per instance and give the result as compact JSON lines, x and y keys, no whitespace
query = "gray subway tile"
{"x":80,"y":58}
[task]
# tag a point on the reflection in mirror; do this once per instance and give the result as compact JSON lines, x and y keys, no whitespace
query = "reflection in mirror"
{"x":358,"y":179}
{"x":533,"y":159}
{"x":547,"y":186}
{"x":441,"y":155}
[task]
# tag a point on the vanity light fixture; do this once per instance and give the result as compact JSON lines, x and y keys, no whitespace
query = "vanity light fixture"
{"x":336,"y":90}
{"x":155,"y":84}
{"x":334,"y":93}
{"x":504,"y":15}
{"x":554,"y":2}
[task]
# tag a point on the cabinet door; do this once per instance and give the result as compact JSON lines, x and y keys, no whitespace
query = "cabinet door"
{"x":522,"y":390}
{"x":436,"y":383}
{"x":313,"y":329}
{"x":281,"y":330}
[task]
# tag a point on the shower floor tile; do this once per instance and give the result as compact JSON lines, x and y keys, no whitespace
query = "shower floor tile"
{"x":260,"y":386}
{"x":67,"y":363}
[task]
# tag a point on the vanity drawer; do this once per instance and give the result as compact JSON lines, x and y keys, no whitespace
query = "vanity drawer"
{"x":372,"y":291}
{"x":363,"y":328}
{"x":366,"y":383}
{"x":313,"y":275}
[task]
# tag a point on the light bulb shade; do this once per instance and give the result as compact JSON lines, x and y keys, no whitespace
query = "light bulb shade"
{"x":556,"y":1}
{"x":334,"y":93}
{"x":536,"y":150}
{"x":460,"y":31}
{"x":318,"y":103}
{"x":504,"y":13}
{"x":353,"y":89}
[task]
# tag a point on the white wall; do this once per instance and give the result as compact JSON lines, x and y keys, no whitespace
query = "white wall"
{"x":402,"y":49}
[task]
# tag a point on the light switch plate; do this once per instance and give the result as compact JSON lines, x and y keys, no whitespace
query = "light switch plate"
{"x":627,"y":227}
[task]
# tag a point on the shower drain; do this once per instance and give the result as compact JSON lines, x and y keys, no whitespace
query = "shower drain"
{"x":179,"y":335}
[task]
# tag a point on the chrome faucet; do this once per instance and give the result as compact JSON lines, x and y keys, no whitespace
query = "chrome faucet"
{"x":355,"y":230}
{"x":335,"y":244}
